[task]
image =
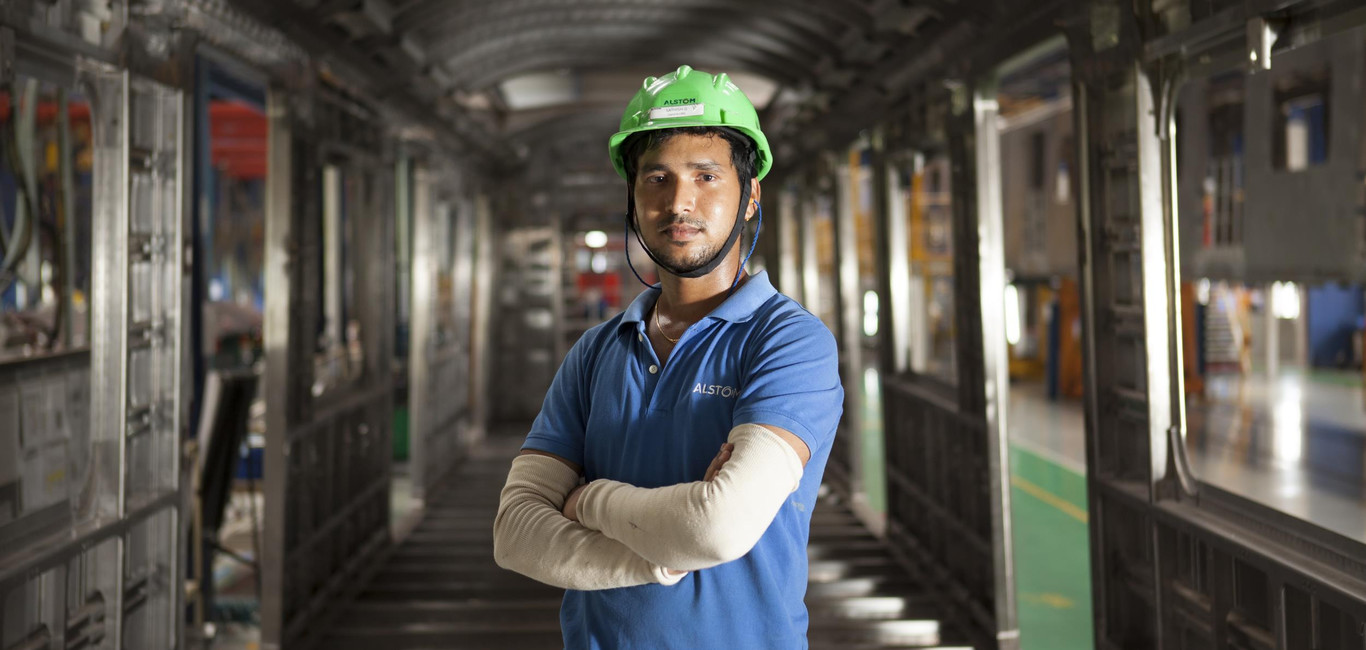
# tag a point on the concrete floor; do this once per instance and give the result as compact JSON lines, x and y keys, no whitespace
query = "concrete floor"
{"x":236,"y":583}
{"x":1296,"y":443}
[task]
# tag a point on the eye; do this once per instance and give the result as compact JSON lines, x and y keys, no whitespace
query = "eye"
{"x":654,"y":178}
{"x":709,"y":177}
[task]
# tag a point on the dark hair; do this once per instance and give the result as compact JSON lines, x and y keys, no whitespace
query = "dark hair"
{"x":742,"y":153}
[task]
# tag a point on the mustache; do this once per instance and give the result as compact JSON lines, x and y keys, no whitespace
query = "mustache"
{"x":684,"y":221}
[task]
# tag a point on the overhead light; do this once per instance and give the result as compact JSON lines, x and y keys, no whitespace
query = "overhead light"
{"x":1012,"y":298}
{"x":595,"y":239}
{"x":1285,"y":300}
{"x":870,"y":313}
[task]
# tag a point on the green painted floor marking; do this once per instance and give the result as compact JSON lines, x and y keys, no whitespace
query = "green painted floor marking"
{"x":874,"y":462}
{"x":1052,"y":555}
{"x":1052,"y":552}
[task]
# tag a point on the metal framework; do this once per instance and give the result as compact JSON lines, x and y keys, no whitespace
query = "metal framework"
{"x":95,"y":553}
{"x":443,"y":252}
{"x":1176,"y":563}
{"x":328,"y":447}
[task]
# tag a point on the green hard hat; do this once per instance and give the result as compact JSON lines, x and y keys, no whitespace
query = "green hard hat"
{"x":688,"y":97}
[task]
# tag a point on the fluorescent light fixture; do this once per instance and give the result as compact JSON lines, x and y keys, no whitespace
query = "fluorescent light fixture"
{"x":595,"y":239}
{"x":1012,"y":298}
{"x":870,"y":315}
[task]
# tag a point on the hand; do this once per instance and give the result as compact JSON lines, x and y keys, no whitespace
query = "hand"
{"x":716,"y":463}
{"x":571,"y":503}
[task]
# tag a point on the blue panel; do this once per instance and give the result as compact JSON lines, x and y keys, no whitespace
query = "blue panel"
{"x":1334,"y":312}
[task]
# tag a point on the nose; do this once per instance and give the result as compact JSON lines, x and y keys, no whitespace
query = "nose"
{"x":683,"y":198}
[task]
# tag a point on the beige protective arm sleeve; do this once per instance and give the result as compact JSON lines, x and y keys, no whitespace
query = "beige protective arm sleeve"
{"x":692,"y":526}
{"x":531,"y":537}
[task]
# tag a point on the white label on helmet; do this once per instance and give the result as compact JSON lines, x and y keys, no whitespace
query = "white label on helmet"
{"x":686,"y":110}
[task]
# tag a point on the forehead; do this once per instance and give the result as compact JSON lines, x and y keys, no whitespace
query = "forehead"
{"x":687,"y":149}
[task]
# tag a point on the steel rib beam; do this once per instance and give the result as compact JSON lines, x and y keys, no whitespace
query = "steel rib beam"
{"x":608,"y":61}
{"x":819,"y":14}
{"x":617,"y":44}
{"x":760,"y":31}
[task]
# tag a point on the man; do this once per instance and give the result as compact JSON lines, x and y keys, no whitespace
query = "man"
{"x":702,"y":417}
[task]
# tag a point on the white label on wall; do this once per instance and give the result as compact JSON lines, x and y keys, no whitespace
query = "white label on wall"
{"x":33,"y":405}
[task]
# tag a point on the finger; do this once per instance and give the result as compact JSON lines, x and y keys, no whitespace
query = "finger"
{"x":715,"y":465}
{"x":712,"y":469}
{"x":718,"y":462}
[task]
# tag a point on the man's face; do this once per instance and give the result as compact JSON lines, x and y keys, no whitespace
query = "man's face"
{"x":687,"y":192}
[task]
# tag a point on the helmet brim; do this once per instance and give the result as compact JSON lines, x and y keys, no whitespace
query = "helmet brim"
{"x":762,"y":160}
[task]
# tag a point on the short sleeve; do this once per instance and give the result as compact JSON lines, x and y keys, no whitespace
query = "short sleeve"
{"x":793,"y":382}
{"x":559,"y":427}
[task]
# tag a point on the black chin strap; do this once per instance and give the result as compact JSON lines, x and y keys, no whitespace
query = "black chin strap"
{"x":711,"y":264}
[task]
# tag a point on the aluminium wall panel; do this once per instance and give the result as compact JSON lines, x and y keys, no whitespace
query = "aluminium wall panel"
{"x":1303,"y":222}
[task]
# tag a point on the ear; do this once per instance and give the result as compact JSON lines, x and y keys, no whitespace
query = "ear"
{"x":754,"y":199}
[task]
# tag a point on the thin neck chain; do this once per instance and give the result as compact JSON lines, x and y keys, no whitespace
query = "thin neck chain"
{"x":661,"y":327}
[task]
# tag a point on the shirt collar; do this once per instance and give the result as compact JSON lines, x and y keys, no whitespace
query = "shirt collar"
{"x":739,"y":307}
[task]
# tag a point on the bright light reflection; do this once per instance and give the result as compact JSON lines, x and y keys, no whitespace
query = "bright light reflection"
{"x":872,"y":383}
{"x":1012,"y":314}
{"x":1288,"y":424}
{"x":1285,"y":300}
{"x":599,"y":263}
{"x":870,"y":314}
{"x":1202,"y":291}
{"x":595,"y":239}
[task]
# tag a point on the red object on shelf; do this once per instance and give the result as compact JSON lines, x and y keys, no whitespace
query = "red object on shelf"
{"x":47,"y":111}
{"x":608,"y":283}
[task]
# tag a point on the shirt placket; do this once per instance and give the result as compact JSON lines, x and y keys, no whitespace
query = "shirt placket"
{"x":653,"y":368}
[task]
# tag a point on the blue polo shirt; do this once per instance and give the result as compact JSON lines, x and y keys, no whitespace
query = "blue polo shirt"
{"x":619,"y":413}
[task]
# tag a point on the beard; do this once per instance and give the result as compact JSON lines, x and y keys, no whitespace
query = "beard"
{"x":684,"y":261}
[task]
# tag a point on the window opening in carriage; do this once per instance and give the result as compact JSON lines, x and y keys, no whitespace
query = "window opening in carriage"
{"x":404,"y":177}
{"x":226,"y":315}
{"x":1300,"y":127}
{"x":870,"y":486}
{"x":822,"y":221}
{"x":446,"y":236}
{"x":1042,"y":305}
{"x":931,"y":330}
{"x":1272,"y":363}
{"x":46,"y":173}
{"x":232,"y":232}
{"x":1036,"y":150}
{"x":339,"y":356}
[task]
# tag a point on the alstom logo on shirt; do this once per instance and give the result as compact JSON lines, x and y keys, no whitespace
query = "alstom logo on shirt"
{"x":713,"y":389}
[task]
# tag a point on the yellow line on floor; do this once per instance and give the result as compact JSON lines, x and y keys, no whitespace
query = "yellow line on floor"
{"x":1050,"y":498}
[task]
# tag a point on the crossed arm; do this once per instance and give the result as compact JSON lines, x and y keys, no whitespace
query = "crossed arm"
{"x":610,"y":534}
